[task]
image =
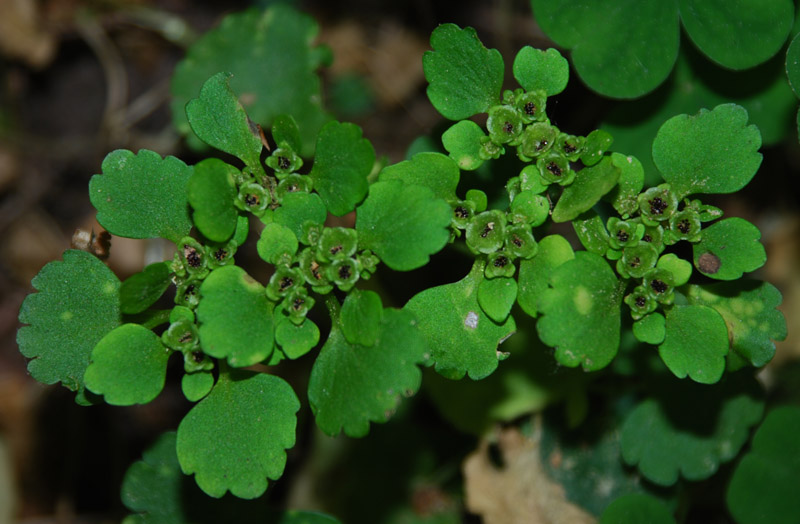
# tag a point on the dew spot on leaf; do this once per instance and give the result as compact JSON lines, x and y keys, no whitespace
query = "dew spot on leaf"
{"x":471,"y":321}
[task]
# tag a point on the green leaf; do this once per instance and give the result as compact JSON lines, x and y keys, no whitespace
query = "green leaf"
{"x":461,"y":338}
{"x":690,"y":429}
{"x":235,"y":317}
{"x":737,"y":35}
{"x":580,"y":312}
{"x":284,"y":129}
{"x":695,"y":343}
{"x":464,"y":77}
{"x":651,"y":329}
{"x":341,"y":164}
{"x":212,"y":192}
{"x":77,"y":304}
{"x":402,"y":224}
{"x":592,"y":232}
{"x":128,"y":366}
{"x":763,"y":488}
{"x":749,"y":311}
{"x":541,"y":69}
{"x":352,"y":385}
{"x":680,"y":269}
{"x":624,"y":197}
{"x":142,"y":195}
{"x":220,"y":121}
{"x":296,"y":341}
{"x":272,"y":60}
{"x":635,"y":508}
{"x":620,"y":48}
{"x":141,"y":290}
{"x":196,"y":385}
{"x":437,"y":172}
{"x":276,"y":240}
{"x":590,"y":184}
{"x":729,"y":248}
{"x":463,"y":141}
{"x":793,"y":64}
{"x":298,"y":207}
{"x":361,"y":316}
{"x":236,"y":436}
{"x":711,"y":152}
{"x":597,"y":143}
{"x":496,"y":296}
{"x":554,"y":250}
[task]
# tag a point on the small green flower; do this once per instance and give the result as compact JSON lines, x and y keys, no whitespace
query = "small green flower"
{"x":298,"y":303}
{"x":571,"y":147}
{"x":531,"y":105}
{"x":499,"y":264}
{"x":368,"y":262}
{"x":520,"y":242}
{"x":529,"y":208}
{"x":555,"y":170}
{"x":640,"y":302}
{"x":637,"y":260}
{"x":504,"y":124}
{"x":311,"y":233}
{"x":336,"y":242}
{"x":283,"y":282}
{"x":253,"y":198}
{"x":193,"y":257}
{"x":623,"y":233}
{"x":313,"y":272}
{"x":181,"y":335}
{"x":344,"y":272}
{"x":704,"y":212}
{"x":463,"y":211}
{"x":537,"y":139}
{"x":188,"y":293}
{"x":284,"y":161}
{"x":684,"y":225}
{"x":657,"y":204}
{"x":490,"y":150}
{"x":219,"y":255}
{"x":293,"y":183}
{"x":658,"y":283}
{"x":486,"y":231}
{"x":196,"y":360}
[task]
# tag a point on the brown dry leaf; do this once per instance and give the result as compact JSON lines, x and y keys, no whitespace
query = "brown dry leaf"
{"x":22,"y":35}
{"x":520,"y":492}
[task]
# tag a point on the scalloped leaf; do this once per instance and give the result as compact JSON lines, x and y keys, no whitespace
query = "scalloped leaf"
{"x":402,"y":224}
{"x":352,"y":385}
{"x":635,"y":508}
{"x":298,"y":207}
{"x":690,"y":429}
{"x":737,"y":35}
{"x":728,"y":249}
{"x":710,"y":152}
{"x":695,"y":343}
{"x":749,"y":311}
{"x":128,"y":366}
{"x":463,"y":141}
{"x":77,"y":304}
{"x":211,"y":193}
{"x":342,"y":161}
{"x":271,"y":56}
{"x":763,"y":487}
{"x":142,"y":195}
{"x":235,"y":317}
{"x":580,"y":312}
{"x":553,"y":251}
{"x":141,"y":290}
{"x":461,"y":338}
{"x":590,"y":185}
{"x":236,"y":437}
{"x":436,"y":171}
{"x":464,"y":77}
{"x":541,"y":69}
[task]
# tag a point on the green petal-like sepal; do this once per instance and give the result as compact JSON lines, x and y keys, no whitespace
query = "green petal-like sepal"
{"x":254,"y":198}
{"x":193,"y":257}
{"x":337,"y":242}
{"x":537,"y":139}
{"x":293,"y":183}
{"x":221,"y":255}
{"x":531,"y":105}
{"x":141,"y":290}
{"x":298,"y":303}
{"x":541,"y":69}
{"x":344,"y":272}
{"x":657,"y":204}
{"x":276,"y":242}
{"x":569,"y":146}
{"x":684,"y":225}
{"x":504,"y":124}
{"x":529,"y":208}
{"x":195,"y":361}
{"x":463,"y":141}
{"x":623,"y":233}
{"x":637,"y":260}
{"x":520,"y":242}
{"x":313,"y":272}
{"x":284,"y":161}
{"x":597,"y":143}
{"x":654,"y":235}
{"x":463,"y":211}
{"x":490,"y":150}
{"x":706,"y":213}
{"x":729,"y":248}
{"x":555,"y":170}
{"x":181,"y":335}
{"x":499,"y":265}
{"x":188,"y":293}
{"x":283,"y":281}
{"x":641,"y":302}
{"x":486,"y":231}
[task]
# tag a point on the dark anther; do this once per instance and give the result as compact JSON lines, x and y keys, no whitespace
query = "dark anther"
{"x":635,"y":262}
{"x":553,"y":168}
{"x":192,"y":257}
{"x":659,"y":286}
{"x":461,"y":212}
{"x":658,"y":206}
{"x":622,"y":236}
{"x":344,"y":272}
{"x":286,"y":283}
{"x":641,"y":301}
{"x":283,"y":162}
{"x":647,"y":238}
{"x":336,"y":249}
{"x":508,"y":127}
{"x":541,"y":145}
{"x":500,"y":262}
{"x":530,"y":109}
{"x":292,"y":188}
{"x":569,"y":148}
{"x":220,"y":254}
{"x":251,"y":200}
{"x":197,"y":356}
{"x":488,"y":229}
{"x":684,"y":226}
{"x":517,"y":241}
{"x":315,"y":270}
{"x":191,"y":290}
{"x":709,"y":263}
{"x":298,"y":304}
{"x":186,"y":337}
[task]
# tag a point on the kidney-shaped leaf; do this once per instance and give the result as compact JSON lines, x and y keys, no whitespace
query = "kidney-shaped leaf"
{"x":540,"y":69}
{"x":695,"y":344}
{"x":729,"y":248}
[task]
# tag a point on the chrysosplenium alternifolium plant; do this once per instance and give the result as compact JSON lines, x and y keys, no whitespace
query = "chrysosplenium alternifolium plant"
{"x":104,"y":338}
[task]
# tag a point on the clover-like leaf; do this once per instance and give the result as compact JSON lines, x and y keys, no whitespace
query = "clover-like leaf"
{"x":128,"y":366}
{"x":737,"y":35}
{"x":553,"y":251}
{"x":402,"y":224}
{"x":635,"y":508}
{"x":729,"y":248}
{"x":235,"y":317}
{"x":270,"y":54}
{"x":77,"y":304}
{"x":749,"y":311}
{"x":589,"y":186}
{"x":624,"y":197}
{"x":342,"y":161}
{"x":464,"y":77}
{"x":710,"y":152}
{"x":690,"y":429}
{"x":496,"y":297}
{"x":541,"y":69}
{"x":297,"y":208}
{"x":352,"y":385}
{"x":212,"y":193}
{"x":142,"y":195}
{"x":763,"y":488}
{"x":236,"y":437}
{"x":463,"y":141}
{"x":461,"y":338}
{"x":620,"y":48}
{"x":695,"y":343}
{"x":220,"y":121}
{"x":437,"y":172}
{"x":140,"y":290}
{"x":580,"y":312}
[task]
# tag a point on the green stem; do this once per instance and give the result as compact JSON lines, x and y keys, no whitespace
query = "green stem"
{"x":149,"y":319}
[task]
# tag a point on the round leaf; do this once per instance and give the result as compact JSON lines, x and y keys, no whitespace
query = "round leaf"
{"x":681,"y":269}
{"x":140,"y":290}
{"x":540,"y":69}
{"x":435,"y":171}
{"x":296,"y":341}
{"x":212,"y":193}
{"x":695,"y":343}
{"x":496,"y":297}
{"x":729,"y":248}
{"x":553,"y":251}
{"x":650,"y":329}
{"x":463,"y":141}
{"x":635,"y":508}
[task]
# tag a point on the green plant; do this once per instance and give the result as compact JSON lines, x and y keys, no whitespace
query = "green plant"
{"x":650,"y":259}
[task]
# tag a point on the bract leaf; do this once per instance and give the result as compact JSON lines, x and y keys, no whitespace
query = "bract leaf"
{"x":615,"y":55}
{"x":592,"y":232}
{"x":634,"y":508}
{"x":142,"y":195}
{"x":271,"y":57}
{"x":352,"y":385}
{"x":590,"y":184}
{"x":763,"y":487}
{"x":77,"y":304}
{"x":631,"y":181}
{"x":284,"y":129}
{"x":128,"y":366}
{"x":717,"y":28}
{"x":464,"y":77}
{"x":463,"y":141}
{"x":298,"y":207}
{"x":729,"y":248}
{"x":580,"y":312}
{"x":541,"y":69}
{"x":342,"y":161}
{"x":749,"y":311}
{"x":553,"y":251}
{"x":296,"y":341}
{"x":461,"y":338}
{"x":361,"y":316}
{"x":496,"y":296}
{"x":690,"y":429}
{"x":235,"y":317}
{"x":402,"y":224}
{"x":650,"y":329}
{"x":236,"y":436}
{"x":276,"y":240}
{"x":196,"y":385}
{"x":437,"y":172}
{"x":140,"y":290}
{"x":710,"y":152}
{"x":695,"y":343}
{"x":212,"y":193}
